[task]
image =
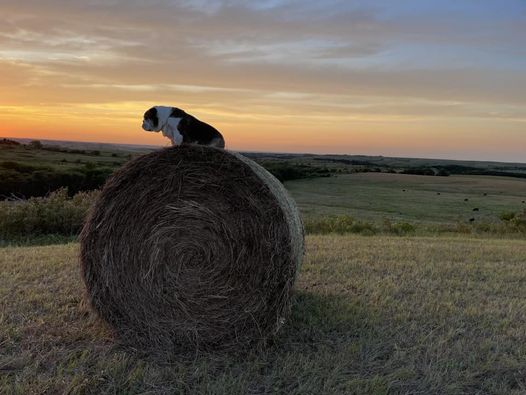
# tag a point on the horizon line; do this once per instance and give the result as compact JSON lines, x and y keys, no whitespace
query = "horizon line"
{"x":270,"y":152}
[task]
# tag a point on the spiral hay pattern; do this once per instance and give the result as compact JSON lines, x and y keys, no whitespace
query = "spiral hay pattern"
{"x":192,"y":247}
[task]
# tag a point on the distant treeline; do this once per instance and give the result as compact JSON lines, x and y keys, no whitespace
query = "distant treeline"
{"x":37,"y":145}
{"x":352,"y":162}
{"x":22,"y":180}
{"x":477,"y":171}
{"x":286,"y":171}
{"x":446,"y":170}
{"x":54,"y":148}
{"x":426,"y":171}
{"x":25,"y":180}
{"x":9,"y":142}
{"x":439,"y":170}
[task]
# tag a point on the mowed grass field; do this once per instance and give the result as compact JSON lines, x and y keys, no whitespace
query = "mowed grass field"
{"x":372,"y":315}
{"x":413,"y":198}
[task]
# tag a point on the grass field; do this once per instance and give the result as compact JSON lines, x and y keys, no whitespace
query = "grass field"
{"x":413,"y":198}
{"x":372,"y":315}
{"x":61,"y":160}
{"x":367,"y":196}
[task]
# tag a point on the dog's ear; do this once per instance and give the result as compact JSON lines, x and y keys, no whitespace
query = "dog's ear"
{"x":151,"y":114}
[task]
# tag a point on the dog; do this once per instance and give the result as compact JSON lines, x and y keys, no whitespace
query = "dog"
{"x":180,"y":127}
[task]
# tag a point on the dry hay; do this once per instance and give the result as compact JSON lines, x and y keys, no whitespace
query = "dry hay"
{"x":192,"y":247}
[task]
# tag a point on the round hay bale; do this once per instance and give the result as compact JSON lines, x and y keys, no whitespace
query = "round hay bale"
{"x":192,"y":247}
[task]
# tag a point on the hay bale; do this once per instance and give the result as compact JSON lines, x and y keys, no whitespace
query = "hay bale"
{"x":192,"y":247}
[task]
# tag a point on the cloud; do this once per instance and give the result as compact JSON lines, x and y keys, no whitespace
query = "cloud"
{"x":348,"y":49}
{"x":400,"y":61}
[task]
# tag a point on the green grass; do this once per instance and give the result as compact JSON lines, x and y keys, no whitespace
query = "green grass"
{"x":372,"y":315}
{"x":375,"y":196}
{"x":27,"y":172}
{"x":60,"y":160}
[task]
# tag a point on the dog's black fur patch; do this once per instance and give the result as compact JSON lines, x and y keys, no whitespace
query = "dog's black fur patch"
{"x":151,"y":114}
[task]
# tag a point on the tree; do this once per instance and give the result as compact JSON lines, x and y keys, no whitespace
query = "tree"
{"x":35,"y":144}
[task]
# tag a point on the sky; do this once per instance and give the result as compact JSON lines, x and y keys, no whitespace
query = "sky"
{"x":413,"y":78}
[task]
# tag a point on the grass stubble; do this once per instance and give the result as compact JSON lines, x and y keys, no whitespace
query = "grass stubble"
{"x":371,"y":315}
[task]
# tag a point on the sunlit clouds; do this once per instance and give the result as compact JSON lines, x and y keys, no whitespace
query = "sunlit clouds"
{"x":409,"y":78}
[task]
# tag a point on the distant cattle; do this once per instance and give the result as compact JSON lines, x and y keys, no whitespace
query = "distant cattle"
{"x":476,"y":209}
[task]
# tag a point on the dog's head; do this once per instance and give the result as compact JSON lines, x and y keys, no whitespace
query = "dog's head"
{"x":156,"y":118}
{"x":150,"y":122}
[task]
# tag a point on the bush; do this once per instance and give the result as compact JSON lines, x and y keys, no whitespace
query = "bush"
{"x":35,"y":144}
{"x":398,"y":228}
{"x":421,"y":171}
{"x":338,"y":224}
{"x":18,"y":167}
{"x":507,"y":216}
{"x":56,"y":214}
{"x":519,"y":221}
{"x":9,"y":143}
{"x":364,"y":228}
{"x":286,"y":171}
{"x":22,"y":180}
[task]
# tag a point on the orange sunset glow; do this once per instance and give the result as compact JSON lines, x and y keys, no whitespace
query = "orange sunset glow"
{"x":418,"y":79}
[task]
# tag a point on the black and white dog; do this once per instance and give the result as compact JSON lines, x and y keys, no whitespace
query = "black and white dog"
{"x":180,"y":127}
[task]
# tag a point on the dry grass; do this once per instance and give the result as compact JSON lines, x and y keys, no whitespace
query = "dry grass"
{"x":372,"y":315}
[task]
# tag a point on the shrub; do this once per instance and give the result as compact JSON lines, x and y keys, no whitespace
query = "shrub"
{"x":364,"y":228}
{"x":338,"y":224}
{"x":398,"y":228}
{"x":333,"y":224}
{"x":286,"y":171}
{"x":421,"y":171}
{"x":507,"y":216}
{"x":18,"y":167}
{"x":22,"y":180}
{"x":55,"y":214}
{"x":519,"y":221}
{"x":342,"y":224}
{"x":8,"y":142}
{"x":35,"y":144}
{"x":485,"y":227}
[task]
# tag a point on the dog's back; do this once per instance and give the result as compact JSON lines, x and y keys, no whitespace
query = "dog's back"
{"x":195,"y":131}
